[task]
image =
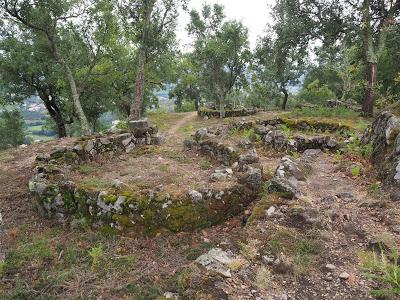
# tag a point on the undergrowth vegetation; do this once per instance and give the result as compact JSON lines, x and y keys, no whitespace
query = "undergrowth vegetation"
{"x":384,"y":270}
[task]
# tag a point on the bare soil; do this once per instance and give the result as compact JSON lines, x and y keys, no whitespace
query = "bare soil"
{"x":48,"y":261}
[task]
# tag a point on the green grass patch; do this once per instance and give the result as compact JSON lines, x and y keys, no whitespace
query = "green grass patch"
{"x":163,"y":120}
{"x":383,"y":270}
{"x":248,"y":134}
{"x":95,"y":183}
{"x":88,"y":168}
{"x":327,"y":112}
{"x":301,"y":247}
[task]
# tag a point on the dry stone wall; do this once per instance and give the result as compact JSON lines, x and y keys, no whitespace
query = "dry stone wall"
{"x":384,"y":138}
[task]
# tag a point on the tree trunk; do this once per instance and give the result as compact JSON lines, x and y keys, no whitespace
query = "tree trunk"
{"x":222,"y":107}
{"x":137,"y":104}
{"x":368,"y":103}
{"x":196,"y":103}
{"x":74,"y":91}
{"x":54,"y":112}
{"x":285,"y":99}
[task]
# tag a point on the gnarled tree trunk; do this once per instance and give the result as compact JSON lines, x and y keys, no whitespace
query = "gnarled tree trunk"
{"x":49,"y":99}
{"x":74,"y":91}
{"x":285,"y":99}
{"x":369,"y":99}
{"x":137,"y":104}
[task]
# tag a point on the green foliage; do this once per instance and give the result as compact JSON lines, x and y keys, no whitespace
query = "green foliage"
{"x":338,"y":156}
{"x":384,"y":271}
{"x":3,"y":266}
{"x":142,"y":292}
{"x":248,"y":134}
{"x":11,"y":129}
{"x":186,"y":106}
{"x":355,"y":171}
{"x":375,"y":188}
{"x":368,"y":149}
{"x":22,"y":255}
{"x":326,"y":112}
{"x":88,"y":168}
{"x":221,"y":52}
{"x":205,"y":164}
{"x":250,"y":249}
{"x":285,"y":130}
{"x":315,"y":93}
{"x":96,"y":255}
{"x":301,"y":247}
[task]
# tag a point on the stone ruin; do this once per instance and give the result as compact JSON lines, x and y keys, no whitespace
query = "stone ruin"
{"x":229,"y":113}
{"x":232,"y":187}
{"x":144,"y":210}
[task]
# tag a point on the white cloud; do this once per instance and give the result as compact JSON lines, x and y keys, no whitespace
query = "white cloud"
{"x":255,"y":15}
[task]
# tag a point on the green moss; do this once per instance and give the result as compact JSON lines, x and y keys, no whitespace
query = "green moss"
{"x":265,"y":203}
{"x":69,"y":200}
{"x":95,"y":184}
{"x":122,"y":220}
{"x":70,"y":157}
{"x":88,"y":168}
{"x":107,"y":230}
{"x":184,"y":217}
{"x":300,"y":246}
{"x":150,"y":219}
{"x":109,"y":199}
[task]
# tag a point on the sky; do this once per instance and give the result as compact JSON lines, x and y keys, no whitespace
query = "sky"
{"x":253,"y":13}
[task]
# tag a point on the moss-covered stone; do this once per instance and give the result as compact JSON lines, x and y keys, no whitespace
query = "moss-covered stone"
{"x":213,"y":113}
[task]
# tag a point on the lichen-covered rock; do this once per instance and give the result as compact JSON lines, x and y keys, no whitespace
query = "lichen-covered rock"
{"x":290,"y":172}
{"x":216,"y":260}
{"x":275,"y":139}
{"x":249,"y":157}
{"x":383,"y":136}
{"x":201,"y":134}
{"x":140,"y":128}
{"x":253,"y":178}
{"x":213,"y":113}
{"x":195,"y":196}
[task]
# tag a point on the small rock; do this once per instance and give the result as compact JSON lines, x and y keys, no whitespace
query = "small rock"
{"x":345,"y":196}
{"x":117,"y":183}
{"x":195,"y":196}
{"x":395,"y":196}
{"x":344,"y":275}
{"x":254,"y":178}
{"x":130,"y":148}
{"x":201,"y":134}
{"x":217,"y":176}
{"x":105,"y":141}
{"x":170,"y":295}
{"x":216,"y":260}
{"x":270,"y":211}
{"x":268,"y":260}
{"x":127,"y":141}
{"x":139,"y":127}
{"x":158,"y":139}
{"x":229,"y":171}
{"x":249,"y":157}
{"x":330,"y":267}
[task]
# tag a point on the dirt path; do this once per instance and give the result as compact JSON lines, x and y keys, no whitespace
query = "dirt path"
{"x":181,"y":123}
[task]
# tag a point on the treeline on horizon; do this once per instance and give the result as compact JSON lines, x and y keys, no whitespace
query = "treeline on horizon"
{"x":84,"y":58}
